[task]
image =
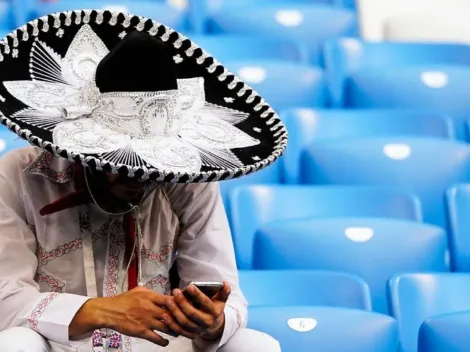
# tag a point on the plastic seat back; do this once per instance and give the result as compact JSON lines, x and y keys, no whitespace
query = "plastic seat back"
{"x":253,"y":206}
{"x":373,"y":249}
{"x":445,"y":333}
{"x":417,"y":297}
{"x":308,"y":125}
{"x":326,"y":329}
{"x":401,"y":162}
{"x":283,"y":84}
{"x":304,"y":288}
{"x":458,"y":205}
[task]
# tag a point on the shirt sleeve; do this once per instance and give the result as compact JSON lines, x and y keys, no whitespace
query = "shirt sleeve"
{"x":21,"y":303}
{"x":205,"y":250}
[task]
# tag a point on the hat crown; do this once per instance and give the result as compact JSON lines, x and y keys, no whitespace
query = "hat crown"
{"x":139,"y":63}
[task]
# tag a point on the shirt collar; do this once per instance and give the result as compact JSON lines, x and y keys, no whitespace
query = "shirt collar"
{"x":55,"y":169}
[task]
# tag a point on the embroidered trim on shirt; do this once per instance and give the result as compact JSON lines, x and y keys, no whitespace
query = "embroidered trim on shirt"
{"x":54,"y":284}
{"x":239,"y":316}
{"x":85,"y":224}
{"x":45,"y":257}
{"x":112,"y":269}
{"x":98,"y":338}
{"x":39,"y":310}
{"x":42,"y":166}
{"x":159,"y":281}
{"x":114,"y":340}
{"x":160,"y":256}
{"x":127,"y":344}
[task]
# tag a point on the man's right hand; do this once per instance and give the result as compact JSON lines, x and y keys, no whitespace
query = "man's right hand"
{"x":138,"y":313}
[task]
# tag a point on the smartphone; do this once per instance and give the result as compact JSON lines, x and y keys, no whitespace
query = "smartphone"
{"x":209,"y":288}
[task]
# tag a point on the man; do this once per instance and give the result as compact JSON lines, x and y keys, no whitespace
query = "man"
{"x":92,"y":221}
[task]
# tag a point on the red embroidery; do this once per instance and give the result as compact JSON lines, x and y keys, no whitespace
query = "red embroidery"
{"x":115,"y":246}
{"x":42,"y":166}
{"x":54,"y":284}
{"x":45,"y":256}
{"x":239,"y":316}
{"x":159,"y":281}
{"x":127,"y":344}
{"x":159,"y":257}
{"x":39,"y":310}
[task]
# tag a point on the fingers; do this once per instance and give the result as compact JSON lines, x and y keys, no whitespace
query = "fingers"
{"x":196,"y":315}
{"x":174,"y":306}
{"x":156,"y":298}
{"x":200,"y":300}
{"x":177,"y":328}
{"x":152,"y":336}
{"x":224,"y":294}
{"x":163,"y":327}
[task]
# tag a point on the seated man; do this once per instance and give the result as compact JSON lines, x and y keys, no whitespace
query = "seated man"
{"x":129,"y":131}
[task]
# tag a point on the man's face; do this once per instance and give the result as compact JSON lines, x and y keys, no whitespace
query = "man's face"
{"x":125,"y":188}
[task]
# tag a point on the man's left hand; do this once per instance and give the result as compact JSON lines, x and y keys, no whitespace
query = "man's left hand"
{"x":204,"y":318}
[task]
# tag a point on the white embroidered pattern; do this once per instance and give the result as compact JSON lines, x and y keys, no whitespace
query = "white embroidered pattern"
{"x":172,"y":131}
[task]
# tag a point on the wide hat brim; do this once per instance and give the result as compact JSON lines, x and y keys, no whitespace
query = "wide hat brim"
{"x":239,"y":132}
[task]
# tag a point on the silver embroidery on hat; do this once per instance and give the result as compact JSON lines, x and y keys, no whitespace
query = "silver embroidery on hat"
{"x":172,"y":131}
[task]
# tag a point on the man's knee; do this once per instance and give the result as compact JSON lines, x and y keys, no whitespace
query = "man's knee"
{"x":22,"y":340}
{"x":247,"y":340}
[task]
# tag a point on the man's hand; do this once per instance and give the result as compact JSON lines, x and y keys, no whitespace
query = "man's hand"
{"x":138,"y":313}
{"x":204,"y":319}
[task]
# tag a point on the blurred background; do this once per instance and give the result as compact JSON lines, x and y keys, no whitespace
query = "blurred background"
{"x":358,"y":238}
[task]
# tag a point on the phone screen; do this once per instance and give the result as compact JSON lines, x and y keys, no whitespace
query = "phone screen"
{"x":210,"y":289}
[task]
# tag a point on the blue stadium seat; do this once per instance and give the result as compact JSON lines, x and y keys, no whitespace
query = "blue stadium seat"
{"x":8,"y":18}
{"x":417,"y":297}
{"x":310,"y":23}
{"x":270,"y":175}
{"x":156,"y":10}
{"x":445,"y":333}
{"x":347,"y":56}
{"x":9,"y":141}
{"x":283,"y":84}
{"x":441,"y":88}
{"x":373,"y":249}
{"x":425,"y":166}
{"x":304,"y":288}
{"x":248,"y":47}
{"x":201,"y":9}
{"x":307,"y":125}
{"x":307,"y":329}
{"x":253,"y":206}
{"x":3,"y":33}
{"x":349,"y":4}
{"x":458,"y":204}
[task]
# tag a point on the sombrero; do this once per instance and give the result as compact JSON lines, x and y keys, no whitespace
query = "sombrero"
{"x":124,"y":94}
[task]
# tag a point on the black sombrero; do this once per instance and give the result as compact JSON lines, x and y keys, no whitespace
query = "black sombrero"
{"x":125,"y":94}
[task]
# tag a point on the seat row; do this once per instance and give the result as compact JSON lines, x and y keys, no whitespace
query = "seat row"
{"x":311,"y":21}
{"x":357,"y":75}
{"x":330,"y":311}
{"x":371,"y":232}
{"x":209,"y":16}
{"x":426,"y":167}
{"x":374,"y":19}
